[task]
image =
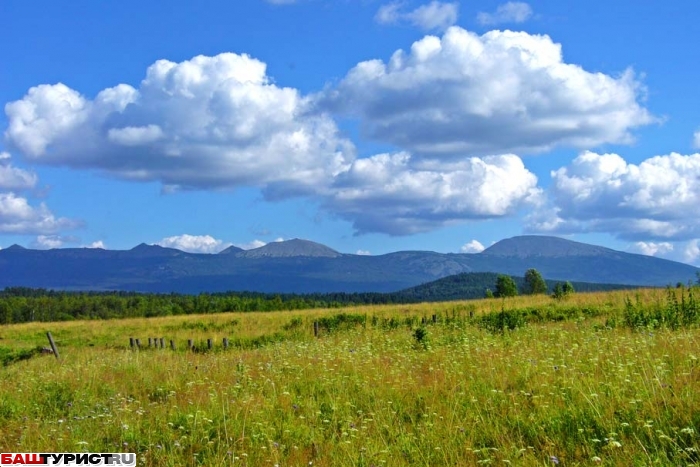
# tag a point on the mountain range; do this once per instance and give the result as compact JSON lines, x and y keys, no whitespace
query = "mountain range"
{"x":302,"y":266}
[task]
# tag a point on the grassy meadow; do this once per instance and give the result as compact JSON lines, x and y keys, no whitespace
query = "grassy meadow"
{"x":595,"y":379}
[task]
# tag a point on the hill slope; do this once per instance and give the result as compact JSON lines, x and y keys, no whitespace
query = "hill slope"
{"x":471,"y":285}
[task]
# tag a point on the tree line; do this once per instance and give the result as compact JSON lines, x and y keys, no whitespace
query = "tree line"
{"x":21,"y":304}
{"x":534,"y":284}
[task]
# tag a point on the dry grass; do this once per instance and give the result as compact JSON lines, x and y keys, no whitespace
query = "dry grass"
{"x":570,"y":392}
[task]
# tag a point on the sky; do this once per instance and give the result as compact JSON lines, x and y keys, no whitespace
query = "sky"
{"x":369,"y":126}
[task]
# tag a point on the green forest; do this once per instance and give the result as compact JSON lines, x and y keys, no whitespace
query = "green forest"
{"x":20,"y":305}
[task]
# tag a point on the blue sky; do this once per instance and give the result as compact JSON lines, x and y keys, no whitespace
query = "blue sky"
{"x":369,"y":126}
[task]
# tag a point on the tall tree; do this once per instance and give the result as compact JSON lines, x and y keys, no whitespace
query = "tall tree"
{"x":505,"y":287}
{"x":534,"y":283}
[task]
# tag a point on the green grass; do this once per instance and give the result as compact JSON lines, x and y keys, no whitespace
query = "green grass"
{"x":377,"y":387}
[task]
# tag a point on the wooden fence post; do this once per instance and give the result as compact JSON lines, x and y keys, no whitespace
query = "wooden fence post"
{"x":434,"y":319}
{"x":138,"y":343}
{"x":190,"y":344}
{"x":150,"y":342}
{"x":225,"y":343}
{"x":210,"y":344}
{"x":315,"y":328}
{"x":162,"y":343}
{"x":172,"y":344}
{"x":53,"y":345}
{"x":132,"y":342}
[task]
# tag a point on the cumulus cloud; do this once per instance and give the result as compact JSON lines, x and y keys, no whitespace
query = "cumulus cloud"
{"x":389,"y":13}
{"x":691,"y":253}
{"x":215,"y":122}
{"x":511,"y":12}
{"x":17,"y":216}
{"x":390,"y":193}
{"x":256,"y":243}
{"x":502,"y":92}
{"x":250,"y":245}
{"x":47,"y":242}
{"x":194,"y":243}
{"x":12,"y":178}
{"x":654,"y":200}
{"x":652,"y":248}
{"x":363,"y":253}
{"x":472,"y":247}
{"x":433,"y":16}
{"x":97,"y":244}
{"x":208,"y":122}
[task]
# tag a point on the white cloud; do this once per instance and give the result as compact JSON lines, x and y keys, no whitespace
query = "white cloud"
{"x":363,"y":253}
{"x":433,"y":16}
{"x":17,"y":216}
{"x":696,"y":139}
{"x":389,"y":13}
{"x":250,"y":245}
{"x":208,"y":122}
{"x":472,"y":247}
{"x":502,"y":92}
{"x":510,"y":12}
{"x":390,"y":193}
{"x":256,"y":243}
{"x":194,"y":243}
{"x":46,"y":242}
{"x":652,"y":248}
{"x":12,"y":178}
{"x":97,"y":244}
{"x":691,"y":254}
{"x":656,"y":199}
{"x":135,"y":136}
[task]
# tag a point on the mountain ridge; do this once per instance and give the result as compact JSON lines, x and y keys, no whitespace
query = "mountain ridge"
{"x":303,"y":266}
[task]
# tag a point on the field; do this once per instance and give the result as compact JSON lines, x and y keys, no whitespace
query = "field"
{"x":594,"y":379}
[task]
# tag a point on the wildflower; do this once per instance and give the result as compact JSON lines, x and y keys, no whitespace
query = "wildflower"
{"x":554,"y":460}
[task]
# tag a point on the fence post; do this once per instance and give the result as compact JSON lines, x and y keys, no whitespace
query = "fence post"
{"x":210,"y":344}
{"x":132,"y":343}
{"x":315,"y":328}
{"x":225,"y":343}
{"x":434,"y":319}
{"x":190,"y":344}
{"x":162,"y":343}
{"x":138,"y":343}
{"x":150,"y":342}
{"x":172,"y":344}
{"x":53,"y":345}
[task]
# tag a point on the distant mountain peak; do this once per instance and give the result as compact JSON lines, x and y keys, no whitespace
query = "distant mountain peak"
{"x":231,"y":250}
{"x":144,"y":249}
{"x":291,"y":248}
{"x":526,"y":246}
{"x":15,"y":247}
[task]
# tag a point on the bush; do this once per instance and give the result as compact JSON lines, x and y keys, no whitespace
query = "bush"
{"x":498,"y":322}
{"x":421,"y":337}
{"x":505,"y":287}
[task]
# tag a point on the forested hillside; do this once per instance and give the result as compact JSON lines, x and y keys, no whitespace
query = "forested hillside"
{"x":19,"y":304}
